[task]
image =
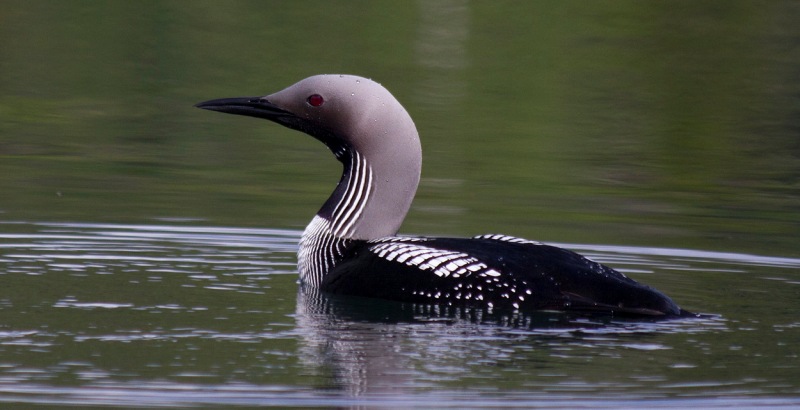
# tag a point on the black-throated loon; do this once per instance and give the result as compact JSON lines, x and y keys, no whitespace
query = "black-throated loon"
{"x":350,"y":247}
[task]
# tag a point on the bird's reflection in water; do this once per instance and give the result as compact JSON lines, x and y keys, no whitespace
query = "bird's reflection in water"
{"x":353,"y":341}
{"x":376,"y":346}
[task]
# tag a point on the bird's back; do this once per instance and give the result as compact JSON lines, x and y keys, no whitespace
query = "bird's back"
{"x":491,"y":271}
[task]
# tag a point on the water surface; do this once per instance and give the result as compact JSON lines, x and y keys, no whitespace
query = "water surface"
{"x":181,"y":314}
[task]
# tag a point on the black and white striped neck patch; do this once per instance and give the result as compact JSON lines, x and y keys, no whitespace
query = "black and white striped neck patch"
{"x":319,"y":251}
{"x":350,"y":207}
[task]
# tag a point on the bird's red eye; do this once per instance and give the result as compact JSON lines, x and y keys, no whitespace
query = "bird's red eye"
{"x":315,"y":100}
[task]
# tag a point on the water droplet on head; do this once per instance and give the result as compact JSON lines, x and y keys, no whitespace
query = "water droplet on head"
{"x":352,"y":93}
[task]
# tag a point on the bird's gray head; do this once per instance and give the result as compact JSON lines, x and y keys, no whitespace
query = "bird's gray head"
{"x":356,"y":118}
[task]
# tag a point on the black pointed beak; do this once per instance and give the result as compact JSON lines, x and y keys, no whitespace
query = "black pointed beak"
{"x":250,"y":106}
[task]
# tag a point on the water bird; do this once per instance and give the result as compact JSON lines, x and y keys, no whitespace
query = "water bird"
{"x":351,"y":245}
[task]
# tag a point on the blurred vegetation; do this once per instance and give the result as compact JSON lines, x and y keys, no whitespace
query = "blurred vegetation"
{"x":648,"y":123}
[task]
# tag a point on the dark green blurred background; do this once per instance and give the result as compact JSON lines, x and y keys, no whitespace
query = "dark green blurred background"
{"x":617,"y":122}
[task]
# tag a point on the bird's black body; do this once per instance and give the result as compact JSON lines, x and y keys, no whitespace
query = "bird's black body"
{"x":350,"y":246}
{"x":529,"y":276}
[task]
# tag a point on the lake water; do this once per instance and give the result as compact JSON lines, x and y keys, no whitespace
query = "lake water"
{"x":183,"y":315}
{"x":147,"y":248}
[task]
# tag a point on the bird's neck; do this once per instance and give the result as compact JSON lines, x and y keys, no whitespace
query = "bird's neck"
{"x":374,"y":193}
{"x":344,"y":209}
{"x":370,"y":201}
